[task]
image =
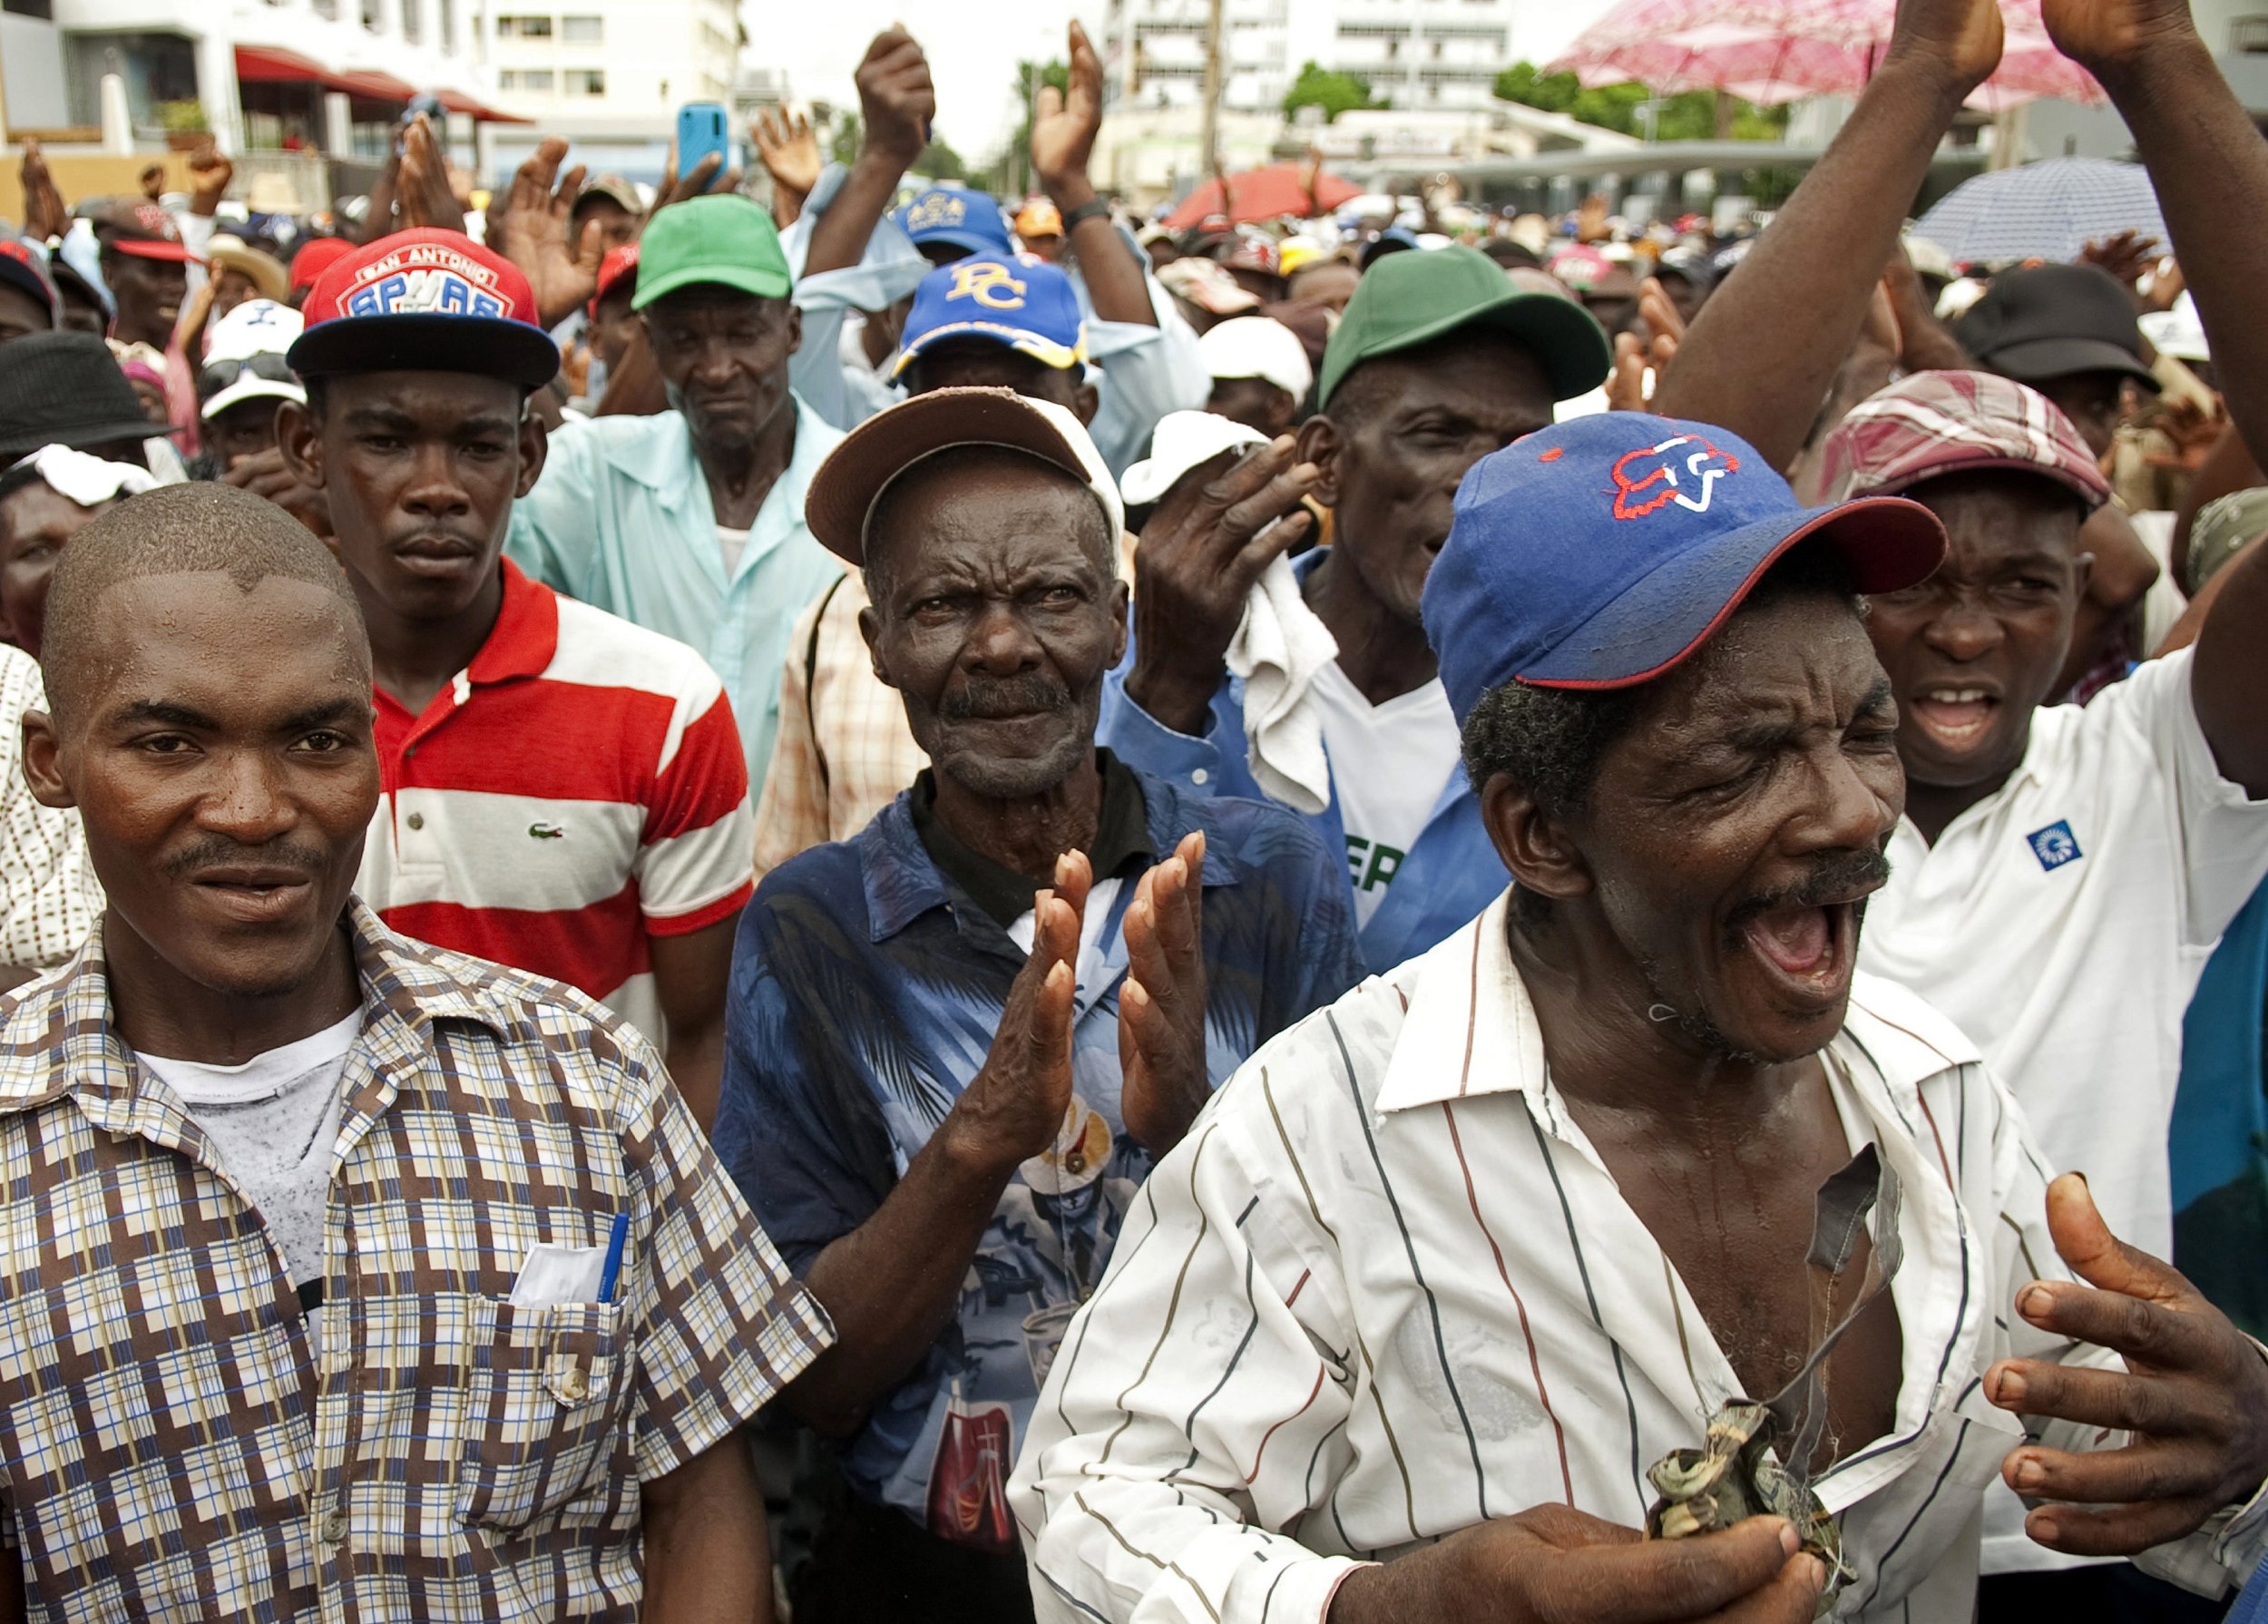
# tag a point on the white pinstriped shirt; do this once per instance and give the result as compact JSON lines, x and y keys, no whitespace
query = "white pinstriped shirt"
{"x":1386,"y":1289}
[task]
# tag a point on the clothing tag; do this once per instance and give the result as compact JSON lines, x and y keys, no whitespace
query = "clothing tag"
{"x":553,"y":1275}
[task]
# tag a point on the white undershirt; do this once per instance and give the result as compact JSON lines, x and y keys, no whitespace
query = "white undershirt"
{"x":731,"y":543}
{"x":1388,"y":764}
{"x":273,"y":1121}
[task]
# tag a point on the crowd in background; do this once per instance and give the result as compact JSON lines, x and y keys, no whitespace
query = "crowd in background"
{"x":904,"y":905}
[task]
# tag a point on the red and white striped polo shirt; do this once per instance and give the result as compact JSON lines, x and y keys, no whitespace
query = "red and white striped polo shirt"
{"x":577,"y":791}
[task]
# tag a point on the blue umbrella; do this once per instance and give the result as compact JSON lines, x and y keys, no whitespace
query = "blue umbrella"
{"x":2045,"y":211}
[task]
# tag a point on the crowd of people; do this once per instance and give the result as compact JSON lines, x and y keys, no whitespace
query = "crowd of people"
{"x":903,"y":908}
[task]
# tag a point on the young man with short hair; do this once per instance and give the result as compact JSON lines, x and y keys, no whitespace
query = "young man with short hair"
{"x":405,"y":1281}
{"x":563,"y":791}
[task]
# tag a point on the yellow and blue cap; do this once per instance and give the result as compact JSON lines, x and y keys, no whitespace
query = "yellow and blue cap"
{"x":1028,"y":306}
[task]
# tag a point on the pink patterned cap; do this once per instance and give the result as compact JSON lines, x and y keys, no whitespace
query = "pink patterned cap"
{"x":1937,"y":423}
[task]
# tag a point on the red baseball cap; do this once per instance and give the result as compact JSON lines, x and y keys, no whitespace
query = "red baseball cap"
{"x":138,"y":227}
{"x":428,"y":301}
{"x":620,"y":261}
{"x":316,"y":256}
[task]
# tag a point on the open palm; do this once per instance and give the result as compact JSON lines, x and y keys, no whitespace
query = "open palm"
{"x":2098,"y":34}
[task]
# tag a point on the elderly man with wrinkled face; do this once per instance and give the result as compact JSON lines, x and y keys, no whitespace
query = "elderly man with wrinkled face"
{"x":1420,"y":1313}
{"x":955,"y":1042}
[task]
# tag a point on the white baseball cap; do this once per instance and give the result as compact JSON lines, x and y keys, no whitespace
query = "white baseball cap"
{"x":1183,"y":441}
{"x":1259,"y":347}
{"x":244,"y":359}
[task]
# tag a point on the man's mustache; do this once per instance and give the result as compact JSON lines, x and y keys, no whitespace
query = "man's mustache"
{"x":217,"y":851}
{"x":1831,"y":879}
{"x":989,"y":699}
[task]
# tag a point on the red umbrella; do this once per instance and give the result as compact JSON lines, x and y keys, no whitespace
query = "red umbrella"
{"x":1268,"y":193}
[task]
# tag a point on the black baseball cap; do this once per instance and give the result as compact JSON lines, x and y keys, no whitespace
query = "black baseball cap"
{"x":23,"y":268}
{"x":64,"y":388}
{"x":2049,"y":321}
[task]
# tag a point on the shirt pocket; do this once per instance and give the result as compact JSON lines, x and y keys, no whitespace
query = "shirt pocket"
{"x":544,"y":1424}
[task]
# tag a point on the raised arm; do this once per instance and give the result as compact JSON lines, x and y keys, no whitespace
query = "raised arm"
{"x":896,"y":103}
{"x":1063,"y":130}
{"x":1758,"y":361}
{"x":2208,"y":164}
{"x":2211,"y":172}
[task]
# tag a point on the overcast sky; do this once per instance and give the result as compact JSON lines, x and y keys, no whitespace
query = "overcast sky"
{"x":973,"y":46}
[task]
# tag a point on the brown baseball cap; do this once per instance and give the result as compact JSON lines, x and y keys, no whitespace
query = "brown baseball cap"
{"x":843,"y":493}
{"x":138,"y":227}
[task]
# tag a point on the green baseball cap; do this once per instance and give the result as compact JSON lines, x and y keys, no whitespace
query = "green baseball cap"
{"x":723,"y":239}
{"x":1404,"y":301}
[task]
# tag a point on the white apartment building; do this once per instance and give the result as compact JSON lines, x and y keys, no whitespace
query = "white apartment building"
{"x":1421,"y":55}
{"x":608,"y":75}
{"x":328,"y":75}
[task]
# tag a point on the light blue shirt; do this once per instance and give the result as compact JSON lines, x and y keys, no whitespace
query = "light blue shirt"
{"x":621,"y":519}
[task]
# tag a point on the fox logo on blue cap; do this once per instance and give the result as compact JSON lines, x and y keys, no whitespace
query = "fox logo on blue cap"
{"x":1701,"y":464}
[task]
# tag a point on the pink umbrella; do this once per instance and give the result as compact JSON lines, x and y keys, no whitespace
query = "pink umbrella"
{"x":1773,"y":50}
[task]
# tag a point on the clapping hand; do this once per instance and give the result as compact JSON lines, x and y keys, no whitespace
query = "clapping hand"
{"x":1161,"y":1008}
{"x":422,"y":194}
{"x":1064,"y":124}
{"x":897,"y":103}
{"x":45,"y":215}
{"x":789,"y":150}
{"x":2194,"y":1395}
{"x":563,"y":275}
{"x":1958,"y":39}
{"x":1014,"y":1107}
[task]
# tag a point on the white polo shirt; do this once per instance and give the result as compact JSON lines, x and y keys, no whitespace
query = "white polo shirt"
{"x":2063,"y":923}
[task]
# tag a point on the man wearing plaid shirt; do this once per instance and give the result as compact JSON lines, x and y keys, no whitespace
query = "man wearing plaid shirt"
{"x":342,"y":1272}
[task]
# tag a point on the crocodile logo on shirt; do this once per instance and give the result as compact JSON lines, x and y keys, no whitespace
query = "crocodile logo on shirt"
{"x":547,"y":831}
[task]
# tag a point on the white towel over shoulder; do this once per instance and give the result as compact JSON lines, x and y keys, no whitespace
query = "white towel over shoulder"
{"x":1279,"y":647}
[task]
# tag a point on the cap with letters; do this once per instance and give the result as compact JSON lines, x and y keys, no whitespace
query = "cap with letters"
{"x":426,"y":300}
{"x":1027,"y":306}
{"x":969,"y":221}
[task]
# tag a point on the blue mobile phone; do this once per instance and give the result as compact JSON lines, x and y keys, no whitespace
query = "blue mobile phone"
{"x":704,"y":128}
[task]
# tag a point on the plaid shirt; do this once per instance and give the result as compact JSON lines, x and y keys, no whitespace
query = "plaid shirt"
{"x":170,"y":1447}
{"x":842,"y":751}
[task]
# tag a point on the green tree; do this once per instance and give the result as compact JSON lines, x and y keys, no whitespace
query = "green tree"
{"x":1692,"y":115}
{"x":848,"y":135}
{"x":1334,"y":92}
{"x":939,"y":161}
{"x":1012,"y":175}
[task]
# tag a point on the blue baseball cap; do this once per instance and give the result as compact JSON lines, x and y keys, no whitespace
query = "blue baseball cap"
{"x":954,"y":214}
{"x":1028,"y":306}
{"x":1603,"y":551}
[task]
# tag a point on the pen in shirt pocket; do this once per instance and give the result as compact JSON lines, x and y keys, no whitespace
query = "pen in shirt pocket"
{"x":612,"y":1271}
